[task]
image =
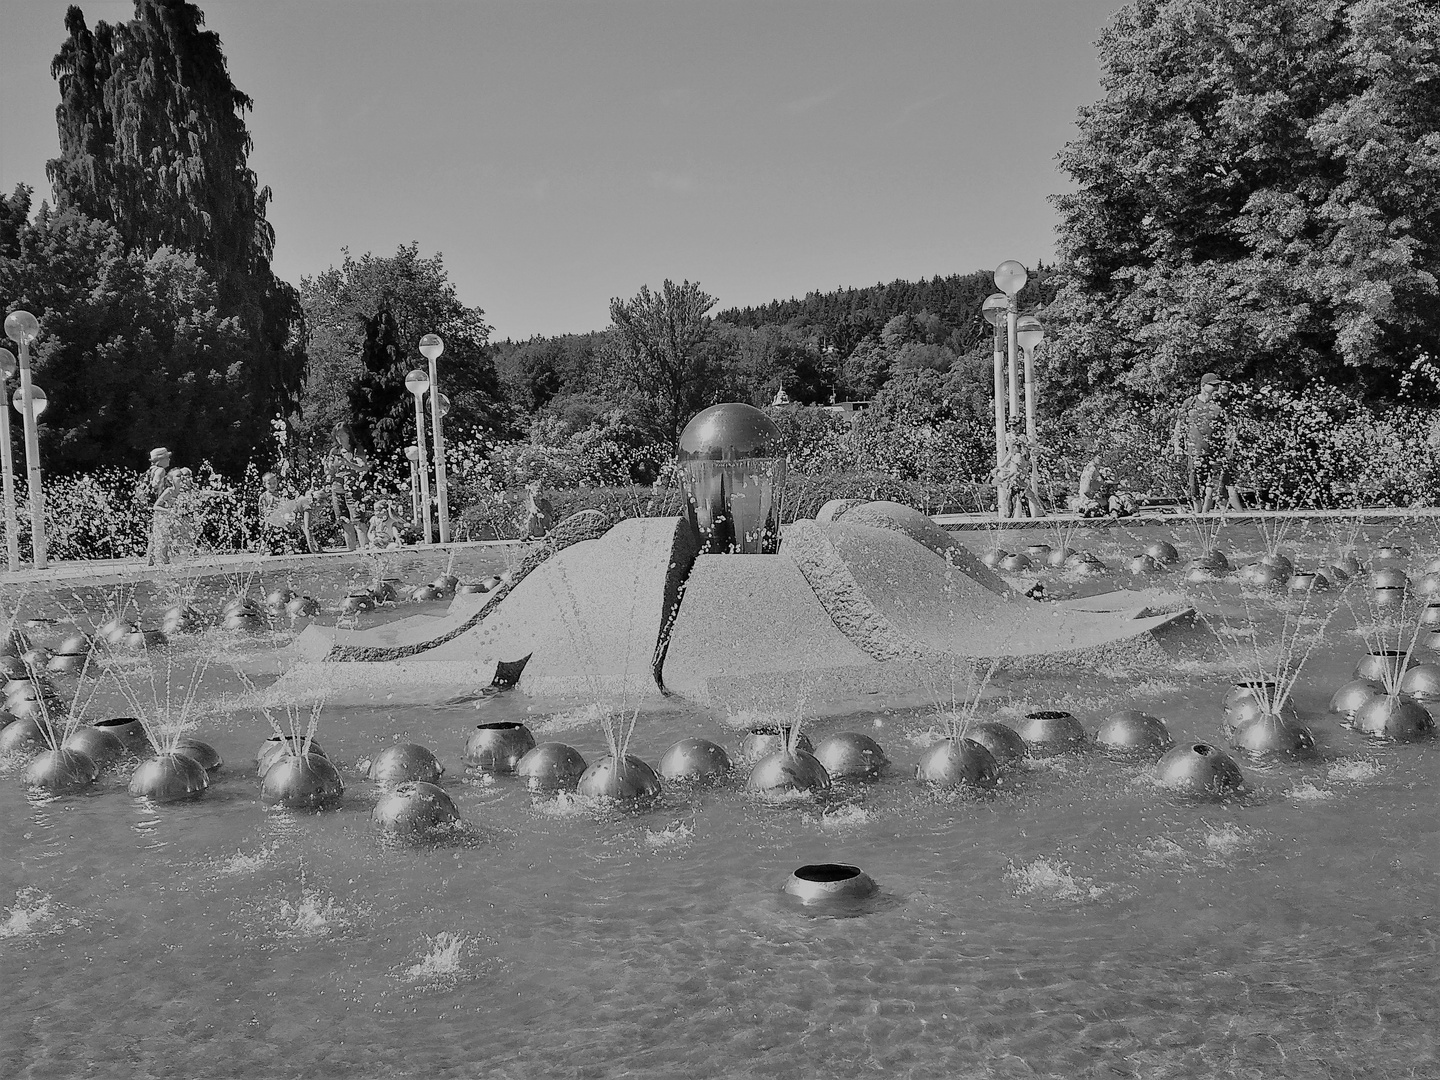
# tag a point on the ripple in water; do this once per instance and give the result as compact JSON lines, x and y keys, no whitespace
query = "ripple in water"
{"x":846,"y":816}
{"x":1224,"y":841}
{"x":1051,"y":879}
{"x":31,"y":914}
{"x":1162,"y":851}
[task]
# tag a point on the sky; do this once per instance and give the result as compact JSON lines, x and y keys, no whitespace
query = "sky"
{"x":561,"y":153}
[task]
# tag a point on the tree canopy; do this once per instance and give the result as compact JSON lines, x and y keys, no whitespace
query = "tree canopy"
{"x":1257,"y":193}
{"x":153,"y":142}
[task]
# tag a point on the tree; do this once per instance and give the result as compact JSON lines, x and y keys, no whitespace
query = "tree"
{"x":660,"y":339}
{"x":342,"y":306}
{"x":153,"y":141}
{"x":133,"y":351}
{"x":1257,"y":193}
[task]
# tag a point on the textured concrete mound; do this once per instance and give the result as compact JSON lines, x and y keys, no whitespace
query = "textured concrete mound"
{"x":846,"y":609}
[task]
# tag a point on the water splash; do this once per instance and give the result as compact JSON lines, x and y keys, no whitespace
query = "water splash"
{"x":675,"y":835}
{"x":1355,"y":770}
{"x":846,"y":816}
{"x":1163,"y":851}
{"x":242,"y":863}
{"x":1307,"y":791}
{"x":315,"y":915}
{"x":1051,"y":879}
{"x":1225,"y":841}
{"x":442,"y":965}
{"x":31,"y":914}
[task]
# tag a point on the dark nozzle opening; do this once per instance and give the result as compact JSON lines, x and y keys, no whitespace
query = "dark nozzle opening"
{"x":1202,"y":749}
{"x":825,"y":872}
{"x":118,"y":721}
{"x":1046,"y":715}
{"x":499,"y":725}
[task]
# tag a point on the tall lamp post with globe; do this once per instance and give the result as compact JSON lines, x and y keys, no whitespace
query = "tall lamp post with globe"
{"x":1029,"y":334}
{"x":417,"y":382}
{"x":994,"y":312}
{"x":1020,"y":333}
{"x":431,"y":346}
{"x":8,"y":367}
{"x":22,"y":328}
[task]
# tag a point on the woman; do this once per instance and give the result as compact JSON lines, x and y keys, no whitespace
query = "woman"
{"x":157,"y":482}
{"x":344,"y":463}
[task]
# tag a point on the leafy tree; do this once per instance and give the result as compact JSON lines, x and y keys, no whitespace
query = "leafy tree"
{"x":417,"y":295}
{"x":1257,"y":193}
{"x":659,"y":350}
{"x":380,"y":403}
{"x":133,"y":352}
{"x":153,"y":141}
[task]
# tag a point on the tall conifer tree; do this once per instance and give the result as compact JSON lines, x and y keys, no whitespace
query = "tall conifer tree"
{"x":153,"y":140}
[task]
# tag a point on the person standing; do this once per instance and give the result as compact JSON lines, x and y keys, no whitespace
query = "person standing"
{"x":344,"y":464}
{"x":1199,"y":436}
{"x":539,"y":513}
{"x":156,"y":495}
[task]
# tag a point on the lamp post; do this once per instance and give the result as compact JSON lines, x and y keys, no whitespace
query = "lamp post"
{"x":994,"y":312}
{"x":1029,"y":333}
{"x":417,"y":382}
{"x":8,"y":366}
{"x":1010,"y":278}
{"x":22,"y":328}
{"x":431,"y":346}
{"x":412,"y":454}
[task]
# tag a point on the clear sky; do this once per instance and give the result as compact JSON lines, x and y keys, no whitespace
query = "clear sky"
{"x":561,"y":153}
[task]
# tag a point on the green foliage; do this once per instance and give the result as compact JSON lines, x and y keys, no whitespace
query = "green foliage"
{"x":417,"y":295}
{"x":153,"y":142}
{"x":134,"y":351}
{"x":659,"y":351}
{"x":1257,"y":193}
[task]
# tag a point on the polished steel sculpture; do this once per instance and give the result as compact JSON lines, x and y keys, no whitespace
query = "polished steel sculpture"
{"x":733,"y":468}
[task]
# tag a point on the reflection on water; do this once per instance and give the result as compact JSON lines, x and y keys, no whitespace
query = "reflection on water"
{"x":1082,"y":922}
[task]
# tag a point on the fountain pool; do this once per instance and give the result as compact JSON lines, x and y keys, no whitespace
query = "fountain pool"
{"x":1080,"y":921}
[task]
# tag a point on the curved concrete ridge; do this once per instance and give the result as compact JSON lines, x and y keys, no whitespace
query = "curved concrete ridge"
{"x":923,"y":530}
{"x":895,"y":599}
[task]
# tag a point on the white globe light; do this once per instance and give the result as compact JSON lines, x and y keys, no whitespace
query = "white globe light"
{"x":444,"y":402}
{"x":8,"y":364}
{"x":37,"y":399}
{"x":1010,"y":277}
{"x":431,"y":346}
{"x":417,"y":382}
{"x":22,"y":326}
{"x":1029,"y":333}
{"x":994,"y":308}
{"x":413,"y":453}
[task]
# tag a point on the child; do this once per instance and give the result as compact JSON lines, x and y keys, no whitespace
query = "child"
{"x":278,"y":517}
{"x":539,"y":513}
{"x":384,"y":526}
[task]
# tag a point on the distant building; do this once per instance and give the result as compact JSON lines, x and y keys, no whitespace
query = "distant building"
{"x":850,"y":410}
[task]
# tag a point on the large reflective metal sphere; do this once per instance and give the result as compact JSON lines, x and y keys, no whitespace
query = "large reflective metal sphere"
{"x":130,"y":731}
{"x":1380,"y":666}
{"x":275,"y":747}
{"x":101,"y":746}
{"x":1394,"y":716}
{"x":1199,"y":769}
{"x":208,"y":757}
{"x":27,"y":735}
{"x":1051,"y":732}
{"x":302,"y":782}
{"x":818,"y":883}
{"x":414,"y":808}
{"x":551,"y":766}
{"x":1422,"y":681}
{"x":169,"y":778}
{"x":784,"y":773}
{"x":498,"y":747}
{"x":625,"y":780}
{"x":1389,"y":578}
{"x":1004,"y":742}
{"x":732,"y":462}
{"x":956,"y":763}
{"x":1163,"y":552}
{"x":1347,"y":700}
{"x":1133,"y":734}
{"x":849,"y":755}
{"x":61,"y":771}
{"x":696,"y":760}
{"x":761,"y":742}
{"x":1269,"y":735}
{"x":404,"y":762}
